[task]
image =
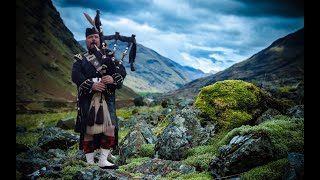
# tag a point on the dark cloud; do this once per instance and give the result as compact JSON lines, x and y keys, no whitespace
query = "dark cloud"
{"x":285,"y":8}
{"x":116,"y":7}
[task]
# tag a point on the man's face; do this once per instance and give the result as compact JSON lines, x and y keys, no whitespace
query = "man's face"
{"x":92,"y":40}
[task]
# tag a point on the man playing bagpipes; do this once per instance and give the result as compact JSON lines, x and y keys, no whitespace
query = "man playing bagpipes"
{"x":97,"y":74}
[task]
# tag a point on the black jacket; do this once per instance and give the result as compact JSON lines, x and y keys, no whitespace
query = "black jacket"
{"x":83,"y":72}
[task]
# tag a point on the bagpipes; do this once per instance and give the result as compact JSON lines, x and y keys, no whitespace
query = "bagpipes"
{"x":96,"y":23}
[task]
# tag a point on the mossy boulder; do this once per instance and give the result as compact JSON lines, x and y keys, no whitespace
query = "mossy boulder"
{"x":231,"y":103}
{"x":258,"y":145}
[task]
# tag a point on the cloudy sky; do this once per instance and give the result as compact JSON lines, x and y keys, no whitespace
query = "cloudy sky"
{"x":209,"y":35}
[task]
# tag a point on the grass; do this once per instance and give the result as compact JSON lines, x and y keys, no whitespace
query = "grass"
{"x":35,"y":121}
{"x":126,"y":113}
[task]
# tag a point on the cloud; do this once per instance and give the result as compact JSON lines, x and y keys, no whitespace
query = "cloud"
{"x":204,"y":64}
{"x":212,"y":34}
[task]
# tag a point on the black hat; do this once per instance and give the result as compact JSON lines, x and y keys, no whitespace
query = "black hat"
{"x":90,"y":31}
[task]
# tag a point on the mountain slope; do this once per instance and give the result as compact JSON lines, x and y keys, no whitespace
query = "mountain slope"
{"x":193,"y":73}
{"x":280,"y":64}
{"x":44,"y":55}
{"x":154,"y":73}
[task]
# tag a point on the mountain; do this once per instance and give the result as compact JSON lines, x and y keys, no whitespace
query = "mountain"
{"x":191,"y":72}
{"x":44,"y":57}
{"x":279,"y":65}
{"x":154,"y":73}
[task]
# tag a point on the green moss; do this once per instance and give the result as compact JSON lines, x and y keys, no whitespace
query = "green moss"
{"x":270,"y":171}
{"x":69,"y":171}
{"x":216,"y":141}
{"x":225,"y":101}
{"x":198,"y":150}
{"x":173,"y":174}
{"x":200,"y":156}
{"x":157,"y":108}
{"x":201,"y":161}
{"x":196,"y":176}
{"x":287,"y":88}
{"x":138,"y":160}
{"x":147,"y":150}
{"x":74,"y":162}
{"x":124,"y":113}
{"x":234,"y":118}
{"x":71,"y":166}
{"x":122,"y":133}
{"x":283,"y":104}
{"x":73,"y":150}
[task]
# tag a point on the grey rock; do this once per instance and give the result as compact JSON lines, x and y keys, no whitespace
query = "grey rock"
{"x":66,"y":123}
{"x":147,"y":133}
{"x":267,"y":115}
{"x":183,"y":132}
{"x":57,"y":138}
{"x":241,"y":154}
{"x":130,"y":145}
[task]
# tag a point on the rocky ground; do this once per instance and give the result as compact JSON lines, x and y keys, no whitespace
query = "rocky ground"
{"x":173,"y":138}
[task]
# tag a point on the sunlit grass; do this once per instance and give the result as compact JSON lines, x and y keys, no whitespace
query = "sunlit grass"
{"x":28,"y":139}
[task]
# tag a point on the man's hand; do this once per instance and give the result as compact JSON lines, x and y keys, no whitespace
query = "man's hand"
{"x":98,"y":86}
{"x":107,"y":80}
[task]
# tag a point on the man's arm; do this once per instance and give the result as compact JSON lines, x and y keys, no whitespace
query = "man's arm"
{"x":84,"y":84}
{"x":119,"y":76}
